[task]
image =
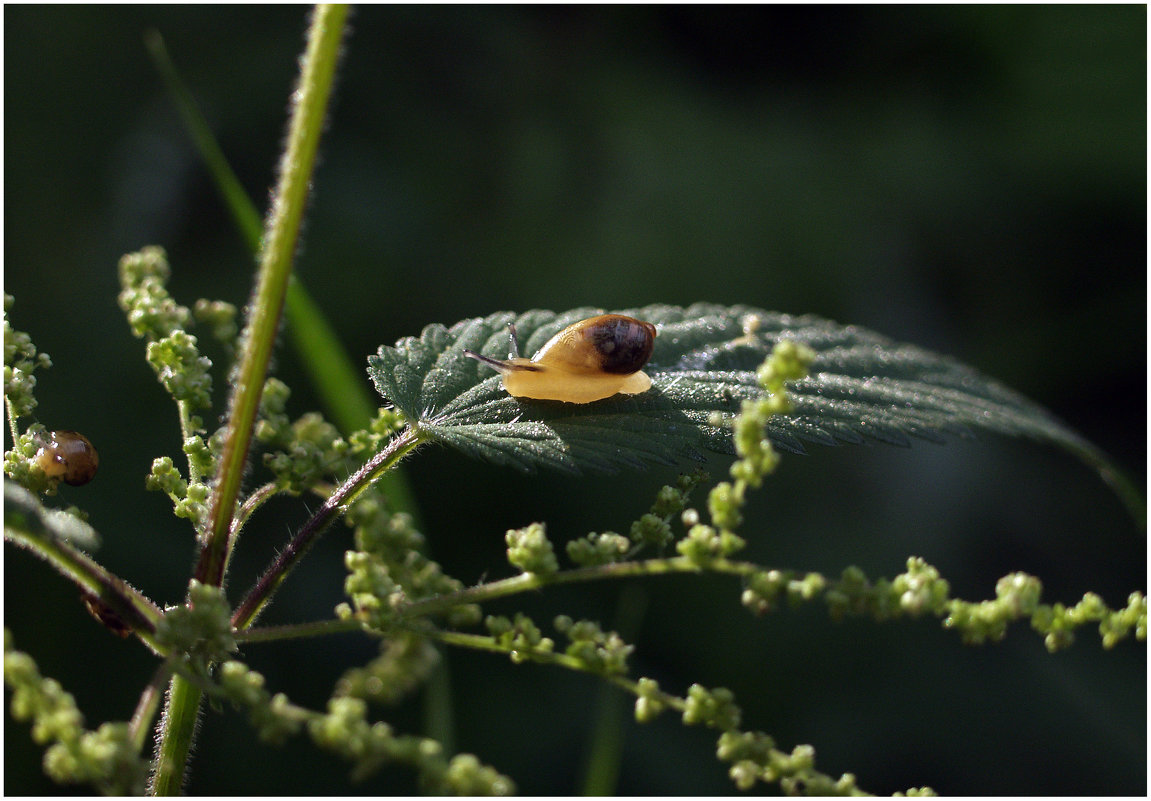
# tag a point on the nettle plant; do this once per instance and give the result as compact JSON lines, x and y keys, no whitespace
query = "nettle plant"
{"x":722,"y":379}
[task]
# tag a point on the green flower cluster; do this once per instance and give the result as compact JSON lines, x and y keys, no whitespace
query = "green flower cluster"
{"x":220,"y":316}
{"x":106,"y":757}
{"x":922,"y":591}
{"x":376,"y":597}
{"x":344,"y":729}
{"x":653,"y":529}
{"x":368,"y":441}
{"x":1016,"y":596}
{"x":406,"y":658}
{"x":21,"y":465}
{"x":200,"y":630}
{"x":153,"y":315}
{"x":1057,"y":622}
{"x":763,"y":588}
{"x":388,"y":569}
{"x":753,"y":755}
{"x":273,"y":716}
{"x":599,"y":549}
{"x":788,"y":362}
{"x":530,"y":550}
{"x":918,"y":591}
{"x":21,"y":359}
{"x":182,"y":371}
{"x":466,"y":775}
{"x":650,"y":700}
{"x":603,"y":653}
{"x":306,"y":451}
{"x":590,"y":649}
{"x":189,"y":500}
{"x":715,"y":709}
{"x":521,"y":638}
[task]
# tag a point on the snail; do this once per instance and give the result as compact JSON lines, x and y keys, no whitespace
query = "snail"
{"x":106,"y":615}
{"x":587,"y":361}
{"x":68,"y":455}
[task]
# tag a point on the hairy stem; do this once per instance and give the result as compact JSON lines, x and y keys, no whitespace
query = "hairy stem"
{"x":253,"y":502}
{"x":187,"y":431}
{"x":338,"y":382}
{"x":12,"y":421}
{"x":309,"y":106}
{"x":332,"y":508}
{"x":296,"y":631}
{"x":310,"y":103}
{"x":141,"y":722}
{"x":177,"y":728}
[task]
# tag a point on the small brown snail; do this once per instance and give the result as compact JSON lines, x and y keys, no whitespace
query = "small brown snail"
{"x":68,"y":455}
{"x":105,"y":615}
{"x":587,"y":361}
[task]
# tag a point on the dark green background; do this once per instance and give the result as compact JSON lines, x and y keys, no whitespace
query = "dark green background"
{"x":969,"y":179}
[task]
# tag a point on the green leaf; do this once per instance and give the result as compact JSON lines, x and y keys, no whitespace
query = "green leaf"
{"x":23,"y":510}
{"x":861,"y":386}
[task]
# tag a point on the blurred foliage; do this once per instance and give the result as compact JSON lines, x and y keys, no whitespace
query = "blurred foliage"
{"x":970,"y":179}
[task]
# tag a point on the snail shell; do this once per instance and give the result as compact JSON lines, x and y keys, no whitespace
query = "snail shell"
{"x":587,"y":361}
{"x":106,"y":615}
{"x":69,"y":456}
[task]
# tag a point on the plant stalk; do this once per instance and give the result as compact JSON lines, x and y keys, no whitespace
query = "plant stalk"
{"x":309,"y":106}
{"x":526,"y":582}
{"x":310,"y":103}
{"x":181,"y":707}
{"x":334,"y":377}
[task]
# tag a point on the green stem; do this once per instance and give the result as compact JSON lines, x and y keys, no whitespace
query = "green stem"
{"x":333,"y":376}
{"x":141,"y":724}
{"x":605,"y":744}
{"x":12,"y":422}
{"x":187,"y":431}
{"x":310,"y":103}
{"x":296,"y":631}
{"x":243,"y":210}
{"x":439,"y":717}
{"x":175,"y":740}
{"x":253,"y":502}
{"x":526,"y":582}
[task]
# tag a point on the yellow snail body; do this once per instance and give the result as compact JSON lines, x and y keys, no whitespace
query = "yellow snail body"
{"x":587,"y":361}
{"x":69,"y":456}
